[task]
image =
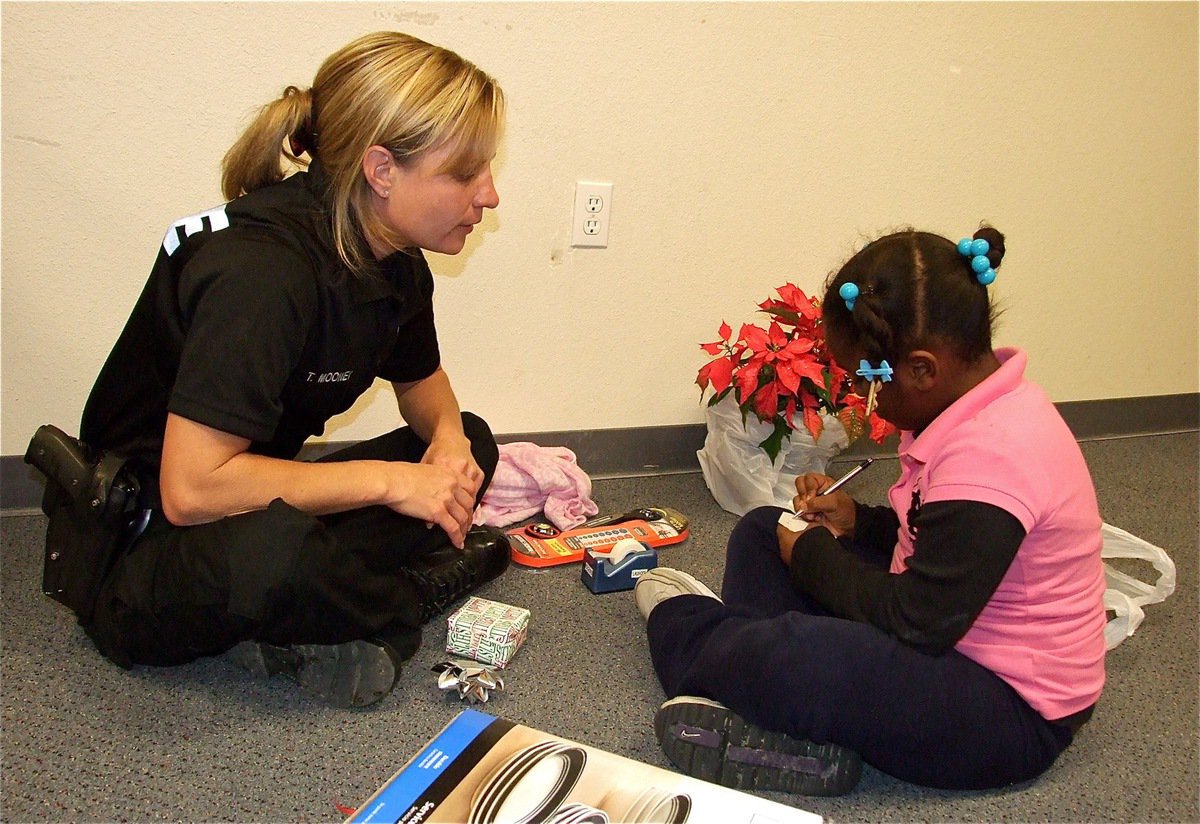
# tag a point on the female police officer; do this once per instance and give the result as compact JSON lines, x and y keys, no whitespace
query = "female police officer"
{"x":261,"y":319}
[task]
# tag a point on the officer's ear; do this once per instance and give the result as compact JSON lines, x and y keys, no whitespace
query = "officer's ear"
{"x":378,"y":166}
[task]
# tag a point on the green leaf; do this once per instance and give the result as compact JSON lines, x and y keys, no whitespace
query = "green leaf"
{"x":716,"y":398}
{"x":784,"y":314}
{"x":774,"y":441}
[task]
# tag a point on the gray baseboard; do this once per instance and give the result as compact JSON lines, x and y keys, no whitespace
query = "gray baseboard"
{"x":663,"y":450}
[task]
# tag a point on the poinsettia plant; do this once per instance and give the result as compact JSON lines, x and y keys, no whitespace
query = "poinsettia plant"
{"x":784,"y":372}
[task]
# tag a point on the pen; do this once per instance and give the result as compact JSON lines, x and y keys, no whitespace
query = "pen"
{"x":798,"y":517}
{"x":797,"y":522}
{"x":845,"y":479}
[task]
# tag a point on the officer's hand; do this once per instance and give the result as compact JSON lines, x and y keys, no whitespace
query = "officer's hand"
{"x":435,"y":494}
{"x":454,"y":453}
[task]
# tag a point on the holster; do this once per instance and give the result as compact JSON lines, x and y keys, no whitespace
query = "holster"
{"x":91,"y":499}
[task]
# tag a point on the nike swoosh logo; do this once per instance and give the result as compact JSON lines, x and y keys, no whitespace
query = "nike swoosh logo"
{"x":686,"y":734}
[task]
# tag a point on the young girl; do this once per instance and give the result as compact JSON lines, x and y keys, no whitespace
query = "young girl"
{"x":955,"y":639}
{"x":262,"y":319}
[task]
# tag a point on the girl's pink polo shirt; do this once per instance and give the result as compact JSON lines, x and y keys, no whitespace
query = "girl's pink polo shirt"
{"x":1004,"y":443}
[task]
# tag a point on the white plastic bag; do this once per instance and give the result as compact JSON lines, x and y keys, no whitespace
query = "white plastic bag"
{"x":1125,"y":595}
{"x":738,"y":472}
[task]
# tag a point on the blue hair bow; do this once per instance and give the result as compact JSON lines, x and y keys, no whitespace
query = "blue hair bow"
{"x":882,"y":372}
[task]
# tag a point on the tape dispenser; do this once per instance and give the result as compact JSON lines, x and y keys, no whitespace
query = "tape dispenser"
{"x":617,"y":568}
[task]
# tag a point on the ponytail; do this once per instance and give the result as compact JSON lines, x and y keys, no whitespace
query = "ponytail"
{"x":280,"y":130}
{"x":384,"y":89}
{"x":913,"y":288}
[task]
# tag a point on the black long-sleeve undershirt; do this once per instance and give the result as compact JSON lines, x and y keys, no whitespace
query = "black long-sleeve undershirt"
{"x":962,"y":552}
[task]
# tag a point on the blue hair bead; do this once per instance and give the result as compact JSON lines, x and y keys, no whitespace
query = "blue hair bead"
{"x":849,"y":292}
{"x":975,"y":251}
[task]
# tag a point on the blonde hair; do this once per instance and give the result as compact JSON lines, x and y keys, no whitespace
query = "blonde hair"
{"x":388,"y":89}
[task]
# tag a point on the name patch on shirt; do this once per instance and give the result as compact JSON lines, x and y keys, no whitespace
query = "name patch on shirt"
{"x":330,"y":377}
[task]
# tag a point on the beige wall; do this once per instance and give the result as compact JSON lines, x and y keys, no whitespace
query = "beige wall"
{"x":749,"y":144}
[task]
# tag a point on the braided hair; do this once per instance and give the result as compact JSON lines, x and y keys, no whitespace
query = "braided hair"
{"x":915,"y":289}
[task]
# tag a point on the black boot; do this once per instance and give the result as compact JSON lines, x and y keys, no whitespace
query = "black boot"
{"x":448,"y":575}
{"x":354,"y":674}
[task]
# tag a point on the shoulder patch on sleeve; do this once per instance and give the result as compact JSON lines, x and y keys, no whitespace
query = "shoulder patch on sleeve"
{"x":214,"y":219}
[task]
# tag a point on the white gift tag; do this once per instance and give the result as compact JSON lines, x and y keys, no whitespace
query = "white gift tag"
{"x":792,"y":522}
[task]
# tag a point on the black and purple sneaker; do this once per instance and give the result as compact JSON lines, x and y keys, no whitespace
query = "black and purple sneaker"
{"x":707,"y":740}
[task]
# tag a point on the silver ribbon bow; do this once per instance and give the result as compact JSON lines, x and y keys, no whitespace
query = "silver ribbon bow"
{"x":471,"y":681}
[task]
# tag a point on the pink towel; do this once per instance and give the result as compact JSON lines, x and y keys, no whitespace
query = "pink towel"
{"x":530,"y":479}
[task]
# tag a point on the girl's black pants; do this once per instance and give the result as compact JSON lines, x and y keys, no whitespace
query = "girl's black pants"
{"x":783,"y":663}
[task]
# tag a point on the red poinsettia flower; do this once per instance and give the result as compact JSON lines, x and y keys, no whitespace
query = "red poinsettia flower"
{"x":717,"y":346}
{"x":784,"y":369}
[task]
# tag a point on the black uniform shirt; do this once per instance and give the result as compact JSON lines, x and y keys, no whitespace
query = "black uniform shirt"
{"x":251,"y":324}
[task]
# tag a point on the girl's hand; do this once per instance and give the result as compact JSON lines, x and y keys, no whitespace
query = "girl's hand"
{"x":787,"y":541}
{"x":835,"y":512}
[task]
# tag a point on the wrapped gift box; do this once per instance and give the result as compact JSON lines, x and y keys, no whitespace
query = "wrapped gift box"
{"x":486,"y":631}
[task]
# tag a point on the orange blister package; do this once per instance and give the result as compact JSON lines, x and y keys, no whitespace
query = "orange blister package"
{"x":543,"y":545}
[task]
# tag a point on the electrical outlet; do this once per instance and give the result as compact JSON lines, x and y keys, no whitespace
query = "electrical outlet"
{"x":593,"y":212}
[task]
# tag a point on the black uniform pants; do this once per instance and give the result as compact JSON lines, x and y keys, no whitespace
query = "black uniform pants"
{"x":276,"y":575}
{"x":777,"y":659}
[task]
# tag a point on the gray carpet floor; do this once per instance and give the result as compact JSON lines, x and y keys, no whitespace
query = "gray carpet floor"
{"x":86,"y":741}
